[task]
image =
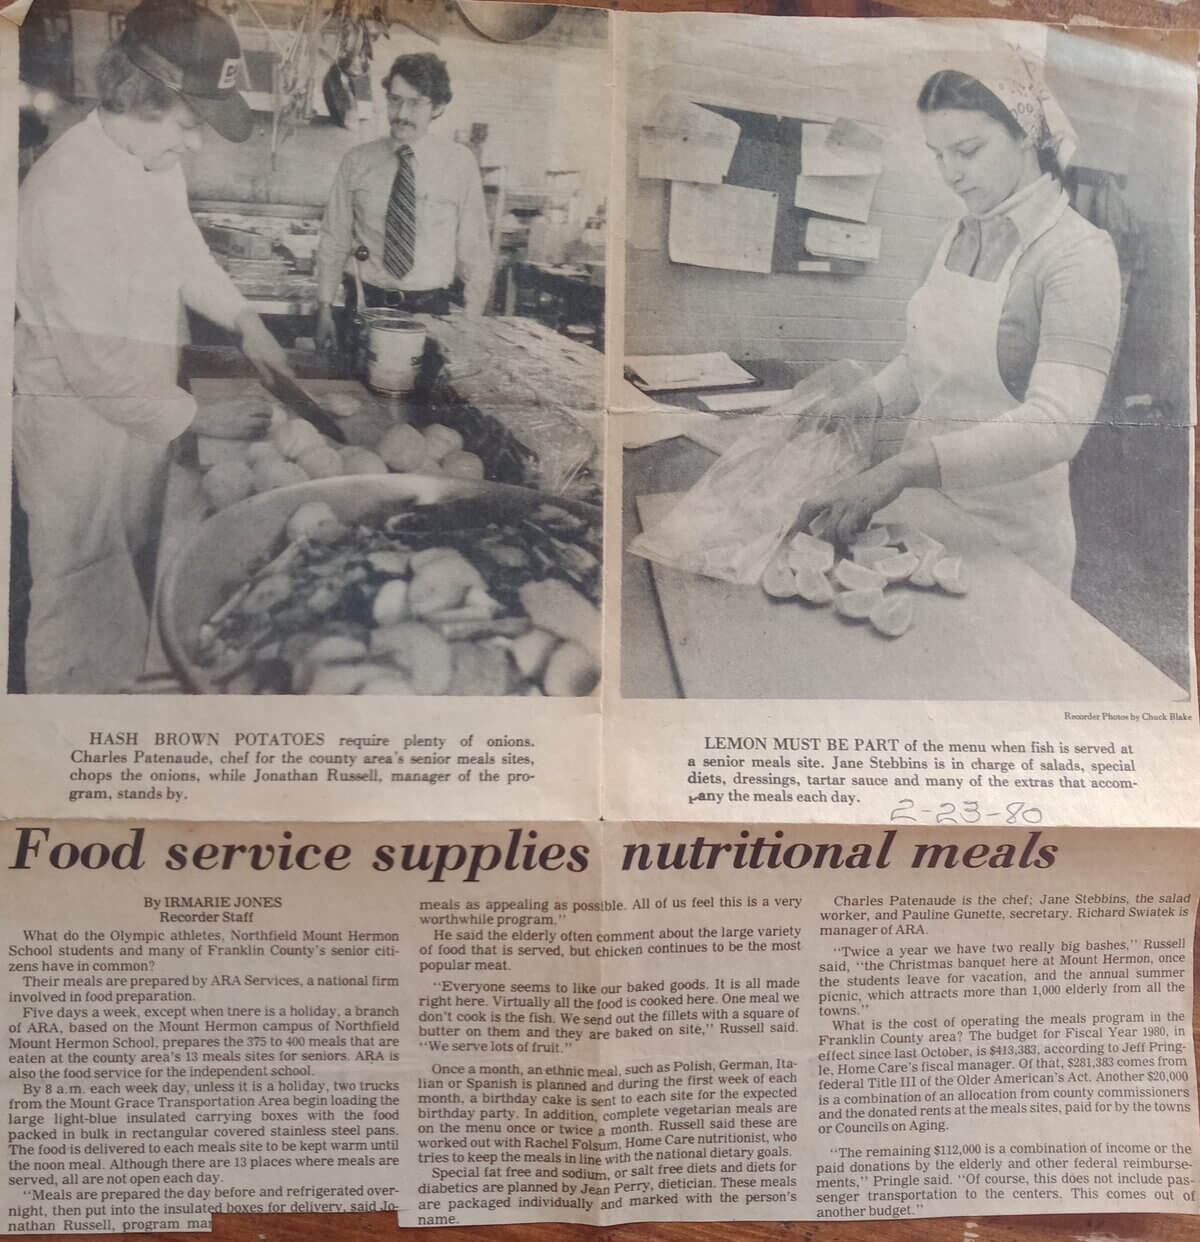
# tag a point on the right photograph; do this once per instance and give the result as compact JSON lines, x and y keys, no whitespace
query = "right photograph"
{"x":906,"y":409}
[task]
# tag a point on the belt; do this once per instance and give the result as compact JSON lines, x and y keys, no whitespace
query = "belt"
{"x":415,"y":301}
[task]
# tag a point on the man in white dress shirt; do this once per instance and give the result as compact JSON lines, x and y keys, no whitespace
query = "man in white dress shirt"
{"x":413,"y":202}
{"x":108,"y":258}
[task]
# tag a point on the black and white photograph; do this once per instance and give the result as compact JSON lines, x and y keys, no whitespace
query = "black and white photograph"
{"x":309,"y":348}
{"x":908,"y":366}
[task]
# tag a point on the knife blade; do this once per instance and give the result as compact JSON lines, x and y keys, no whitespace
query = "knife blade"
{"x":285,"y":389}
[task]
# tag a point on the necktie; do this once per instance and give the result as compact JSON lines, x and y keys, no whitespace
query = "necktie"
{"x":400,"y":230}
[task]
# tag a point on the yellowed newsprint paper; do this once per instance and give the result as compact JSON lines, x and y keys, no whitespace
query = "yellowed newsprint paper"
{"x":600,"y":1024}
{"x":947,"y":578}
{"x":221,"y":585}
{"x":906,"y":520}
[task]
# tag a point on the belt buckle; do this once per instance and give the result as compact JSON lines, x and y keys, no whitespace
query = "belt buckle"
{"x":394,"y":299}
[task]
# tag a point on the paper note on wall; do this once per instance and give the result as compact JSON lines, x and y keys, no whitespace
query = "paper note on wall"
{"x":686,"y":142}
{"x":846,"y":197}
{"x":845,"y":149}
{"x":835,"y":240}
{"x":726,"y":226}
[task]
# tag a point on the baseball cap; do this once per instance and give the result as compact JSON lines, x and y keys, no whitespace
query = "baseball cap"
{"x":196,"y":53}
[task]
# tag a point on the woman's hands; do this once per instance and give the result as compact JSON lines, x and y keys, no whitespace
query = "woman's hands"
{"x":859,"y":405}
{"x":851,"y":504}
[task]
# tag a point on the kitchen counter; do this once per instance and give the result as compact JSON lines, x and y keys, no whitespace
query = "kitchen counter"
{"x":1012,"y":637}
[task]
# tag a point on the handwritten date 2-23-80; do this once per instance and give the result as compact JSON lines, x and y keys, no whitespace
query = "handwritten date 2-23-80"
{"x":906,"y":811}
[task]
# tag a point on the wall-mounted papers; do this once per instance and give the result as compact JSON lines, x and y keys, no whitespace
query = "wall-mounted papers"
{"x":834,"y":240}
{"x":686,"y":142}
{"x":846,"y":197}
{"x":839,"y":166}
{"x":845,"y":149}
{"x":726,"y":226}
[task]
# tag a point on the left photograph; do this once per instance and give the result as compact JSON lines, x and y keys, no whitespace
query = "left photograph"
{"x":308,"y":357}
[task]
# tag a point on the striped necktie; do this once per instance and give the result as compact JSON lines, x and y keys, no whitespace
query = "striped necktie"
{"x":400,"y":231}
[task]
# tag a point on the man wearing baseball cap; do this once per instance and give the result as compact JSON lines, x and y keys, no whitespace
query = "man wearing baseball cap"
{"x":108,"y":258}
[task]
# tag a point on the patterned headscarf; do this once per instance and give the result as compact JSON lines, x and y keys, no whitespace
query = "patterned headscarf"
{"x":1018,"y":82}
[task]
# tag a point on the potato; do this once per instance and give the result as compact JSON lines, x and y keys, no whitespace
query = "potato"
{"x":356,"y":460}
{"x":227,"y":483}
{"x":343,"y":404}
{"x":404,"y":449}
{"x":462,"y":466}
{"x":262,"y":451}
{"x":559,"y":608}
{"x":442,"y":440}
{"x":333,"y":652}
{"x":571,"y":673}
{"x":295,"y":437}
{"x":429,"y":555}
{"x":531,"y":651}
{"x":322,"y":462}
{"x":441,"y":584}
{"x":391,"y":604}
{"x":272,"y":474}
{"x":309,"y":518}
{"x":341,"y":678}
{"x":422,"y":656}
{"x":480,"y":670}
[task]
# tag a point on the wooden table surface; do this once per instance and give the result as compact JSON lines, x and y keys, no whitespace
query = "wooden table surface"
{"x":1123,"y":1227}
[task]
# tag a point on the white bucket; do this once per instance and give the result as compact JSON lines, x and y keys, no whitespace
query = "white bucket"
{"x":395,"y":346}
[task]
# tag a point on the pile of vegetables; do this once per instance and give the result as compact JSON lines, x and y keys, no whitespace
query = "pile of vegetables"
{"x":295,"y":451}
{"x":434,"y":599}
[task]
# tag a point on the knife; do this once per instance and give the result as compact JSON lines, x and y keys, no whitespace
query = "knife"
{"x":285,"y":389}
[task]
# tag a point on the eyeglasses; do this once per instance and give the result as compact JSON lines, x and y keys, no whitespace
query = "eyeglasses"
{"x":410,"y":103}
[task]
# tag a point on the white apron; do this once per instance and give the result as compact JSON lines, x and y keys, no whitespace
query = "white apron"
{"x":89,"y":488}
{"x":953,"y":326}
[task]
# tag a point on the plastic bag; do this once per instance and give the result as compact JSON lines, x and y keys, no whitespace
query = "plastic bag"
{"x":729,"y":524}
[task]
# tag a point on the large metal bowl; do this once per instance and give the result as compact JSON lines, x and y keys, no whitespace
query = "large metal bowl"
{"x":231,"y":544}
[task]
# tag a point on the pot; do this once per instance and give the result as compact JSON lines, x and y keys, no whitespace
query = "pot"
{"x":231,"y":544}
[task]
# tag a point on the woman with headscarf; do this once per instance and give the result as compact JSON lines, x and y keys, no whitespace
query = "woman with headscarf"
{"x":1009,"y":339}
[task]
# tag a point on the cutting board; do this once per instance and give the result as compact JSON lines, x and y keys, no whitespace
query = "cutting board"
{"x":378,"y":413}
{"x":1012,"y":637}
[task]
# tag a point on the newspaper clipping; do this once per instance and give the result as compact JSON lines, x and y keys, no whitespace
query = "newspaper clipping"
{"x":952,"y":558}
{"x":309,"y":388}
{"x":372,"y":840}
{"x":596,"y":1024}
